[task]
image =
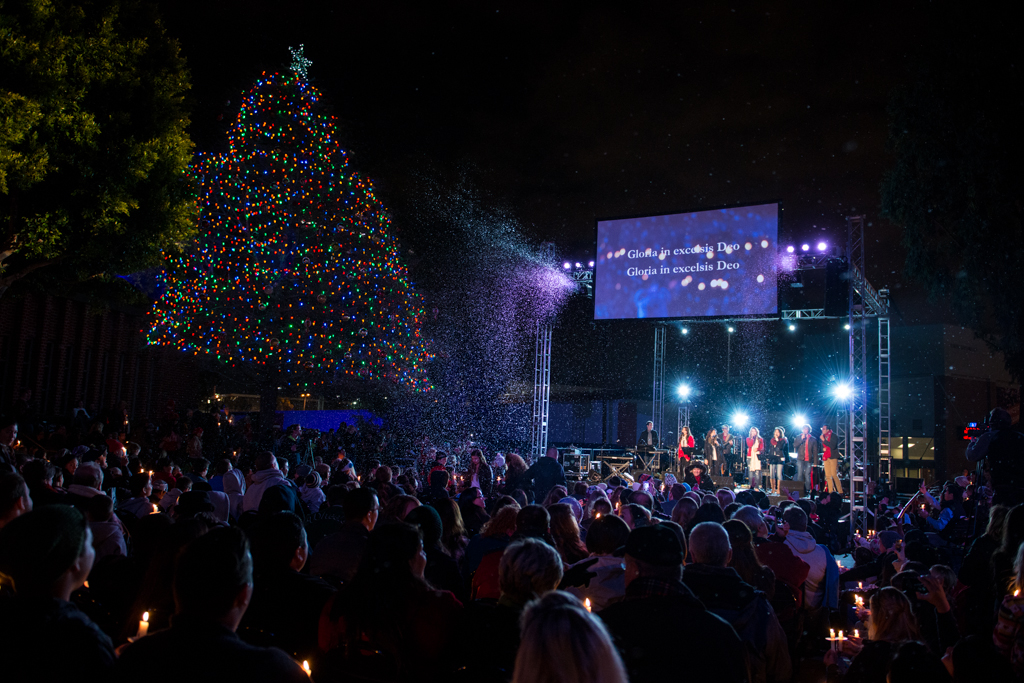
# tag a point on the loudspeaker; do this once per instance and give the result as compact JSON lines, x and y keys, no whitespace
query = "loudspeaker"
{"x":785,"y":486}
{"x":837,"y":288}
{"x":725,"y":482}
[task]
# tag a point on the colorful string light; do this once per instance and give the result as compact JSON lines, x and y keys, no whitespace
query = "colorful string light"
{"x":295,"y":269}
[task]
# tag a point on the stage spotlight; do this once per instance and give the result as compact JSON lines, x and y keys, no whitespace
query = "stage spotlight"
{"x":731,"y":330}
{"x":842,"y":391}
{"x":685,"y":330}
{"x":822,"y":246}
{"x":799,"y":420}
{"x":684,"y":390}
{"x":591,"y":264}
{"x":846,"y":326}
{"x":790,"y":249}
{"x":792,"y":327}
{"x":567,"y":265}
{"x":740,"y":419}
{"x":805,"y":247}
{"x":578,"y":265}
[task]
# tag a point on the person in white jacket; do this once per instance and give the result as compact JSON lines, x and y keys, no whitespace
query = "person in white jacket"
{"x":267,"y":474}
{"x":807,"y":549}
{"x":234,"y":488}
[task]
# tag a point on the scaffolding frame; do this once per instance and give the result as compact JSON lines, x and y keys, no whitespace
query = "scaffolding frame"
{"x":658,"y":388}
{"x":541,"y":391}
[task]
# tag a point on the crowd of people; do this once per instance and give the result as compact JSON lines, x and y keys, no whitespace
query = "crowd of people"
{"x":311,"y":558}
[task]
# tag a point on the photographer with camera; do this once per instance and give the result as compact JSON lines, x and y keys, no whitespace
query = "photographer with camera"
{"x":1004,"y":449}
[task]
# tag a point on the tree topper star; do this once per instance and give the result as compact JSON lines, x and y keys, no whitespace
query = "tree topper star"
{"x":300,"y":64}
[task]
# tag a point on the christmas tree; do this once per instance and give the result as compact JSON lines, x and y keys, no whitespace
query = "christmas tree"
{"x":295,"y":277}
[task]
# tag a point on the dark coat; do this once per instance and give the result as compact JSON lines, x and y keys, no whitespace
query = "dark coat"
{"x":724,"y":593}
{"x":285,"y":612}
{"x":544,"y":475}
{"x":661,"y":629}
{"x":45,"y":639}
{"x":338,"y":555}
{"x":812,"y":451}
{"x":204,"y":651}
{"x":777,"y":452}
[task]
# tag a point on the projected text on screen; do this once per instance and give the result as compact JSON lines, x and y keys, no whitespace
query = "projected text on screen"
{"x":721,"y":262}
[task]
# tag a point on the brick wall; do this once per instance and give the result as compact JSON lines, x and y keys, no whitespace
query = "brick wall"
{"x":64,"y":351}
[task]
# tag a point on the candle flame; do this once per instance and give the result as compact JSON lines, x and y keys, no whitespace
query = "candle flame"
{"x":586,"y":603}
{"x":305,"y":667}
{"x":598,"y":515}
{"x":1016,"y":592}
{"x":856,"y":633}
{"x":145,"y":616}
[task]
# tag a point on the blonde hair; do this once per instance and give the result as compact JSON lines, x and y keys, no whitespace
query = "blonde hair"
{"x":1018,"y":570}
{"x":892,"y":617}
{"x":502,"y":523}
{"x":562,"y":643}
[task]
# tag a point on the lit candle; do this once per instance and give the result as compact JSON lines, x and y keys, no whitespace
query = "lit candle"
{"x":305,"y":667}
{"x":860,"y":584}
{"x":856,"y":633}
{"x":586,"y":603}
{"x":831,"y":634}
{"x":155,"y":509}
{"x":143,"y":626}
{"x":1016,"y":592}
{"x":151,"y":473}
{"x":598,"y":516}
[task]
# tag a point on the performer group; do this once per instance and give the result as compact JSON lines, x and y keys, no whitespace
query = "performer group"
{"x":764,"y":462}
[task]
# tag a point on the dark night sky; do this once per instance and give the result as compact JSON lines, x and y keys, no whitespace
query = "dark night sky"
{"x":563,"y":113}
{"x":566,"y":114}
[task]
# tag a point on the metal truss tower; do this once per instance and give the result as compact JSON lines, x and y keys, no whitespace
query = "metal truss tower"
{"x":860,"y":302}
{"x":541,"y":391}
{"x":542,"y":376}
{"x":658,"y":397}
{"x":884,"y":389}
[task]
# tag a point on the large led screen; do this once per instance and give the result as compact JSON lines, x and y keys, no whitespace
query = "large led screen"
{"x":720,"y":262}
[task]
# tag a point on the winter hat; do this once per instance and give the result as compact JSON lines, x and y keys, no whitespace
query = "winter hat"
{"x":37,"y":547}
{"x":577,"y":509}
{"x":193,"y":502}
{"x":429,"y":522}
{"x":670,"y":480}
{"x":657,"y":545}
{"x":888,"y":538}
{"x":312,"y":480}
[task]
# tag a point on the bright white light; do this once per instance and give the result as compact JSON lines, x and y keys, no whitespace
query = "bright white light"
{"x":685,"y":330}
{"x":805,"y":247}
{"x":799,"y":420}
{"x":732,"y":329}
{"x":842,"y":391}
{"x":846,"y":326}
{"x":790,"y":249}
{"x":822,"y":246}
{"x":579,"y":265}
{"x":684,"y":390}
{"x":567,"y":265}
{"x":740,"y":419}
{"x":792,"y":328}
{"x":591,"y":264}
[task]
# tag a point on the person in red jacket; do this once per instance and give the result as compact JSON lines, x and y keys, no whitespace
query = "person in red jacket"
{"x":830,"y":459}
{"x":685,"y":442}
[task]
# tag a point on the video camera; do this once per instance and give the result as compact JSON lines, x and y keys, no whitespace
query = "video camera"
{"x":975,"y":429}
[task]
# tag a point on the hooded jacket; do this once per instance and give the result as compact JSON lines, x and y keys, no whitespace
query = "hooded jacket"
{"x":261,"y":481}
{"x":724,"y":593}
{"x":822,"y":585}
{"x":234,"y":487}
